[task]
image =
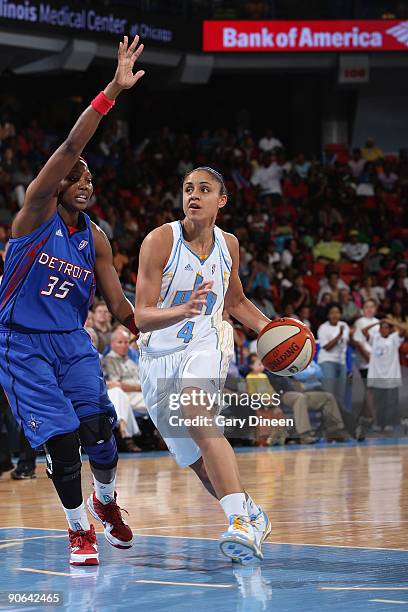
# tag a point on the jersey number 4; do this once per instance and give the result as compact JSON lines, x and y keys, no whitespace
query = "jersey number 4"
{"x":61,"y":291}
{"x":186,"y":332}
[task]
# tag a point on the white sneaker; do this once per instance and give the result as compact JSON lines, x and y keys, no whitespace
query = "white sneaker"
{"x":262,"y":527}
{"x":239,"y":542}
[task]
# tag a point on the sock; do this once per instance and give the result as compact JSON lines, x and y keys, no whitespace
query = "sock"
{"x":235,"y":503}
{"x":105,"y":492}
{"x":251,"y":505}
{"x":77,"y":518}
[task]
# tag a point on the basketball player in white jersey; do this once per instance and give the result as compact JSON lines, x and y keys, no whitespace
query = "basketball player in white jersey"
{"x":188,"y":273}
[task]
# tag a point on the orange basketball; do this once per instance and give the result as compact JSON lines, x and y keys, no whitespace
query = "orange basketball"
{"x":286,"y":346}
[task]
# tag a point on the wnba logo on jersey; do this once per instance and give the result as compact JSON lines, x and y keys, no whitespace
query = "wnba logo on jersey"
{"x":82,"y":245}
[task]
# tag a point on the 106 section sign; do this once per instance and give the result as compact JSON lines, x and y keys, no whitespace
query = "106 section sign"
{"x":244,"y":36}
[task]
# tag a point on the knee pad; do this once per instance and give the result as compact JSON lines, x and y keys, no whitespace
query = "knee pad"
{"x":98,"y":441}
{"x":63,"y":457}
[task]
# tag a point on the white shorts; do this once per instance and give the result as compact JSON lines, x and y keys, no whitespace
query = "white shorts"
{"x":201,"y":366}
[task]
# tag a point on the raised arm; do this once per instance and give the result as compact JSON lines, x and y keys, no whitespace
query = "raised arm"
{"x":41,"y":197}
{"x":154,"y":254}
{"x":236,"y":303}
{"x":108,"y":281}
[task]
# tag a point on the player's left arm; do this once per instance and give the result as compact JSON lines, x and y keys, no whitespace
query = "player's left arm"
{"x":236,"y":302}
{"x":108,"y":281}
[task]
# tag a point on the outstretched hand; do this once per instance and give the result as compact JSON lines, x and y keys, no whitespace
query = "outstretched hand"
{"x":127,"y":56}
{"x":197,"y":299}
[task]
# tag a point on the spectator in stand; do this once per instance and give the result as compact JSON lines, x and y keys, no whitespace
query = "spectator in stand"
{"x":400,"y":272}
{"x":398,"y":290}
{"x":388,"y":178}
{"x":289,"y":253}
{"x":327,"y":249}
{"x":333,"y":337}
{"x":185,"y":165}
{"x":356,"y":164}
{"x":363,"y":351}
{"x":349,"y":311}
{"x":258,"y":383}
{"x":122,"y":380}
{"x":354,"y":250}
{"x":320,"y":311}
{"x":102,"y":324}
{"x":295,"y":189}
{"x":332,"y":284}
{"x":20,"y":180}
{"x":260,"y":274}
{"x":260,"y":299}
{"x":371,"y":291}
{"x":269,"y":143}
{"x":120,"y":260}
{"x":3,"y":238}
{"x":384,"y":370}
{"x":398,"y":314}
{"x":305,"y":316}
{"x":311,"y":394}
{"x":267,"y":178}
{"x":297,"y":294}
{"x":301,"y":165}
{"x":370,"y":152}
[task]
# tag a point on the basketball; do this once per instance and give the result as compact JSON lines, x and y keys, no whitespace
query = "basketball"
{"x":286,"y":346}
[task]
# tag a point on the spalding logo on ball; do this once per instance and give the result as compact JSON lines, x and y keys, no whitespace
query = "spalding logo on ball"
{"x":286,"y":346}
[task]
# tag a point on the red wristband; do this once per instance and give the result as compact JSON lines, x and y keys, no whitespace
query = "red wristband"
{"x":102,"y":104}
{"x":131,"y":325}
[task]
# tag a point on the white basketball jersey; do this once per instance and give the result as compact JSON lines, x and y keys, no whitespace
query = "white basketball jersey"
{"x":183,"y":273}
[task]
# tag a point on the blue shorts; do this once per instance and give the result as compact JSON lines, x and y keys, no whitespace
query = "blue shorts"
{"x":52,"y":381}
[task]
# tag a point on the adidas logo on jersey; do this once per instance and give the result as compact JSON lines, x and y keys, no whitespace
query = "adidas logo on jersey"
{"x":189,"y":268}
{"x":59,"y":233}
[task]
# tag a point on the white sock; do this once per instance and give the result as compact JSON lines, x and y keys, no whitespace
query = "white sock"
{"x":77,"y":518}
{"x":104,"y":492}
{"x":235,"y":503}
{"x":251,"y":505}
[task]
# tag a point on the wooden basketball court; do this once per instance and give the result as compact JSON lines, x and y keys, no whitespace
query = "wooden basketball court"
{"x":339,"y":538}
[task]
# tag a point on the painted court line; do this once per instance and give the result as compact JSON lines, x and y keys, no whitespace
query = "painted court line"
{"x":192,"y":584}
{"x":364,"y":588}
{"x":391,"y":601}
{"x":332,"y":546}
{"x":17,"y":540}
{"x":37,"y":571}
{"x":269,"y":542}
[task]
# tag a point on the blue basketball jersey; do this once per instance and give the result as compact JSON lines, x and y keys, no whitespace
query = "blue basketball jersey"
{"x":49,"y":281}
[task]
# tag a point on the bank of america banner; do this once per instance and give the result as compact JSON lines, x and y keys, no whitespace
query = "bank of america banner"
{"x":259,"y":36}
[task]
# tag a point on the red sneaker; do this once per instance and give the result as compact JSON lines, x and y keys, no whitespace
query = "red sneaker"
{"x":83,"y":546}
{"x":116,"y":531}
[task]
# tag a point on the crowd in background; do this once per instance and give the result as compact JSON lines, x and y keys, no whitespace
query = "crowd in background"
{"x":319,"y":237}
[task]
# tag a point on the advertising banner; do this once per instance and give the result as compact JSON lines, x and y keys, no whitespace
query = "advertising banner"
{"x":93,"y":21}
{"x":305,"y":36}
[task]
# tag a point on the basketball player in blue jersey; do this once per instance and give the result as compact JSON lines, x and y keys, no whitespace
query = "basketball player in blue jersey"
{"x":188,"y":273}
{"x":48,"y":367}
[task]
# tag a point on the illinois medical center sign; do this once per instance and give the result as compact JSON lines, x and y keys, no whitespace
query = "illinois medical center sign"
{"x":258,"y":36}
{"x":71,"y":17}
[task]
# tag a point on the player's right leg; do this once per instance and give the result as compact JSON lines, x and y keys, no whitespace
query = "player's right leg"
{"x":160,"y":379}
{"x":258,"y":517}
{"x":239,"y":542}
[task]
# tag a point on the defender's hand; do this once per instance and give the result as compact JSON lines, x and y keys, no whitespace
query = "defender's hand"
{"x":127,"y":56}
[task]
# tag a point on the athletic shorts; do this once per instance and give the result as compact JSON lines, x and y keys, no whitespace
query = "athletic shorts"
{"x":161,"y":376}
{"x":52,"y":381}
